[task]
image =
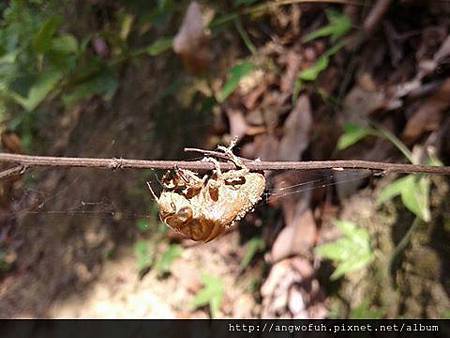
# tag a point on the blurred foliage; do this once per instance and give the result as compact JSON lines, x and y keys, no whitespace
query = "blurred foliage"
{"x":40,"y":60}
{"x":414,"y":190}
{"x":339,"y":25}
{"x":235,"y":75}
{"x":144,"y":253}
{"x":159,"y":46}
{"x":415,"y":193}
{"x":211,"y":294}
{"x":253,"y":246}
{"x":351,"y":252}
{"x":165,"y":260}
{"x":143,"y":224}
{"x":352,"y":134}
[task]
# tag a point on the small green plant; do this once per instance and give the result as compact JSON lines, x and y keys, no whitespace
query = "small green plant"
{"x":350,"y":252}
{"x":339,"y":25}
{"x":211,"y":294}
{"x":236,"y":74}
{"x":164,"y":262}
{"x":413,"y":189}
{"x":160,"y":46}
{"x":144,"y":254}
{"x":40,"y":61}
{"x":254,"y":246}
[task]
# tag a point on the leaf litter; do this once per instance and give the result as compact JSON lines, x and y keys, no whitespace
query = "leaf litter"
{"x":403,"y":86}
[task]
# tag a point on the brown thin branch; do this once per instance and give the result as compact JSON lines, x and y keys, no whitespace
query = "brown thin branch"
{"x":375,"y":16}
{"x":120,"y":163}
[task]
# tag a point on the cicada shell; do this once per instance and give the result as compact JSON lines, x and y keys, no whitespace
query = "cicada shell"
{"x":204,"y":208}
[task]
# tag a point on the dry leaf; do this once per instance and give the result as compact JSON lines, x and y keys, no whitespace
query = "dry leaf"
{"x":293,"y":62}
{"x":238,"y":125}
{"x":428,"y":116}
{"x":279,"y":298}
{"x":192,"y":40}
{"x":297,"y":130}
{"x":299,"y":234}
{"x":265,"y":147}
{"x":11,"y":142}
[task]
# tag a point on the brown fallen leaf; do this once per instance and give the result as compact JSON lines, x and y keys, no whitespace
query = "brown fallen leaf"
{"x":292,"y":291}
{"x":11,"y":142}
{"x":238,"y":124}
{"x":250,"y":100}
{"x":264,"y":147}
{"x":429,"y":115}
{"x":192,"y":40}
{"x":297,"y":129}
{"x":299,"y":234}
{"x":360,"y":103}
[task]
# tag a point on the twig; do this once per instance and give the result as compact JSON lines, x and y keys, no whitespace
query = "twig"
{"x":120,"y":163}
{"x":17,"y":170}
{"x":375,"y":16}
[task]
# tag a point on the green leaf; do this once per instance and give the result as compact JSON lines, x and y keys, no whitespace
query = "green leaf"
{"x":42,"y":39}
{"x":253,"y":246}
{"x":127,"y":23}
{"x":351,"y":252}
{"x":65,"y":44}
{"x":9,"y":57}
{"x":352,"y":264}
{"x":298,"y":85}
{"x":164,"y":263}
{"x":414,"y":191}
{"x":235,"y":75}
{"x":393,"y":189}
{"x":103,"y":83}
{"x":415,"y":196}
{"x":339,"y":25}
{"x":44,"y":84}
{"x":159,"y":46}
{"x":144,"y":257}
{"x":311,"y":73}
{"x":352,"y":134}
{"x":211,"y":293}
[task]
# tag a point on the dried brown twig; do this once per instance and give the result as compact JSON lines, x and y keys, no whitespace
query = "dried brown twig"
{"x":27,"y":161}
{"x":376,"y":15}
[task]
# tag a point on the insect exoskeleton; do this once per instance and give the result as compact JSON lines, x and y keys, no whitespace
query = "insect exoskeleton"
{"x":203,"y":209}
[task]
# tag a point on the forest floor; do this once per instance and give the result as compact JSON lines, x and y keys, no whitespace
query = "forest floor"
{"x":88,"y":243}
